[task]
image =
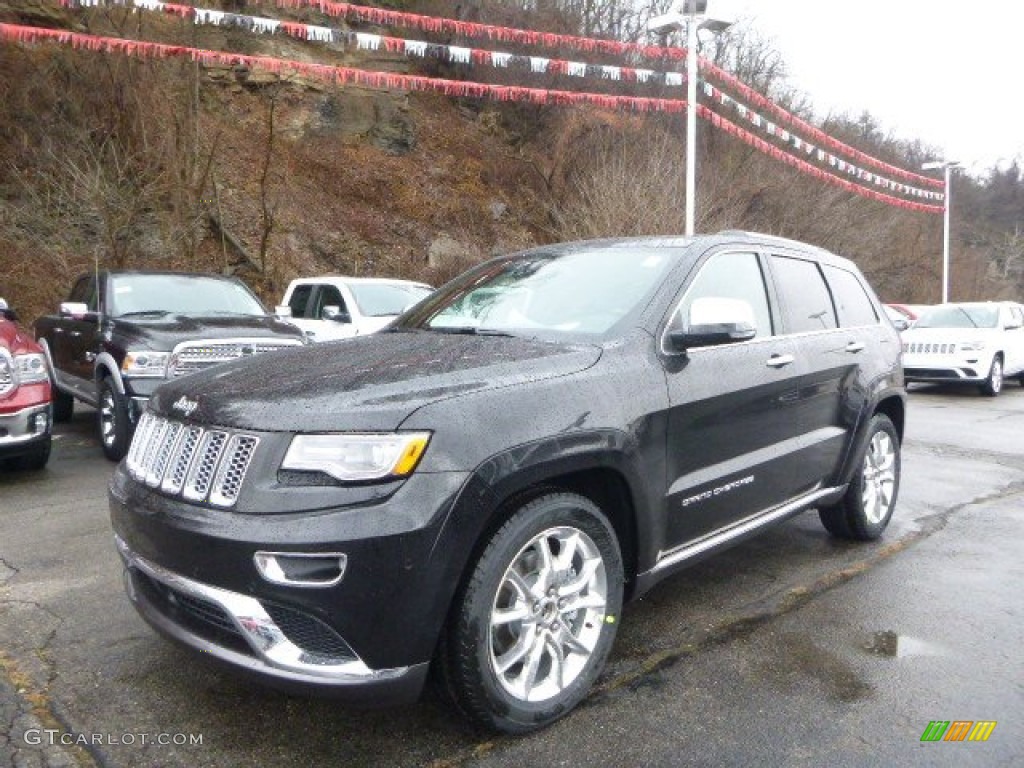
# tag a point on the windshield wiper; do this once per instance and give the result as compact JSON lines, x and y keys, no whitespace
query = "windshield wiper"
{"x":146,"y":313}
{"x":470,"y":330}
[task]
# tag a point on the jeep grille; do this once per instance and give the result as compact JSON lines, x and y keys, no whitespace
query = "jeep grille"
{"x":195,"y":463}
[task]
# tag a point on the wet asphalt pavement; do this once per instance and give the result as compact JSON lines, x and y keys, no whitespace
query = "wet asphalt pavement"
{"x":792,"y":649}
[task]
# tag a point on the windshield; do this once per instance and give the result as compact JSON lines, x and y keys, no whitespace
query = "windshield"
{"x":382,"y":299}
{"x":562,"y":293}
{"x":959,"y":316}
{"x":180,"y":295}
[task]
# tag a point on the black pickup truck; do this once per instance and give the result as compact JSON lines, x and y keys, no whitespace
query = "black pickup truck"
{"x":122,"y":334}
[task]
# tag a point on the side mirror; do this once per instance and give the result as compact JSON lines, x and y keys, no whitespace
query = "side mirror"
{"x":900,"y":323}
{"x":75,"y":309}
{"x":7,"y":312}
{"x":283,"y":310}
{"x":713,"y":320}
{"x":335,"y":313}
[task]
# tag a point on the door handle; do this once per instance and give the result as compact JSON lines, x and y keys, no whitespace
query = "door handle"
{"x":855,"y":346}
{"x":75,"y":334}
{"x":780,"y":361}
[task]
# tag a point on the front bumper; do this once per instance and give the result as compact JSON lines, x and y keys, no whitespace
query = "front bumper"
{"x":23,"y":430}
{"x":368,"y":636}
{"x":237,"y":629}
{"x":966,"y":369}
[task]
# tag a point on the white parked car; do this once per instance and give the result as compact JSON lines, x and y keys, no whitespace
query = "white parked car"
{"x":973,"y":343}
{"x":335,"y":307}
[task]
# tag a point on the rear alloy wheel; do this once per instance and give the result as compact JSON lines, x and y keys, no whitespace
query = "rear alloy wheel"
{"x":113,"y":421}
{"x":866,"y":508}
{"x":994,"y":383}
{"x":534,"y":625}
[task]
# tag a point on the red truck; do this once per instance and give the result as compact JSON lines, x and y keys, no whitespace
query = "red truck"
{"x":25,"y":415}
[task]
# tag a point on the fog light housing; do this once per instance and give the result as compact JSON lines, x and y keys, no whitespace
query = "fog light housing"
{"x":302,"y":569}
{"x":41,"y":423}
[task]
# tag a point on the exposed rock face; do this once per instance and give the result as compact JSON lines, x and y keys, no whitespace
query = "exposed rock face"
{"x":36,"y":12}
{"x":354,"y":115}
{"x":446,"y":252}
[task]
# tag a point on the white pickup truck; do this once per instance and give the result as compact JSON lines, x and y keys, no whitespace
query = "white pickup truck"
{"x":336,"y":307}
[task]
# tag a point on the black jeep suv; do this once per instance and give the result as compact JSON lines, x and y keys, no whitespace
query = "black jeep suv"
{"x":480,"y":486}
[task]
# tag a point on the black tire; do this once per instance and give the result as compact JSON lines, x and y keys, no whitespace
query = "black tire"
{"x":994,"y":383}
{"x":113,"y":421}
{"x":63,"y":406}
{"x":866,"y":508}
{"x":34,"y":461}
{"x":509,"y":578}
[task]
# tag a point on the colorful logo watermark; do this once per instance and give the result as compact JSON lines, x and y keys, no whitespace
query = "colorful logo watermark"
{"x":958,"y":730}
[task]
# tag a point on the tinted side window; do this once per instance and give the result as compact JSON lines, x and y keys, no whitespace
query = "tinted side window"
{"x":730,"y":276}
{"x":329,"y":297}
{"x":84,"y":292}
{"x":852,"y":302}
{"x":806,"y":303}
{"x":299,"y":300}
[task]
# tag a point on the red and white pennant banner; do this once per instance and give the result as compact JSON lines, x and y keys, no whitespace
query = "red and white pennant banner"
{"x":803,"y":166}
{"x":365,"y":41}
{"x":814,"y":132}
{"x":337,"y":75}
{"x":810,"y":150}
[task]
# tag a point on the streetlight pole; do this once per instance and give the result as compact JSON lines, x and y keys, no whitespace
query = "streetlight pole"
{"x":947,"y":166}
{"x":691,"y":119}
{"x":692,"y":14}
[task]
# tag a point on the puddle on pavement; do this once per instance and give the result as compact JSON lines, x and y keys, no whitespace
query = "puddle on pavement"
{"x":895,"y":645}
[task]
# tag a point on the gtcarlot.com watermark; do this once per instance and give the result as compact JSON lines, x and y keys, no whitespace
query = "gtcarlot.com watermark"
{"x":52,"y":736}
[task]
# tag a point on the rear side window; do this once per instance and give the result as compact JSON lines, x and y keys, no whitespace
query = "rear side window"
{"x":806,"y":302}
{"x":299,"y":300}
{"x":852,"y":301}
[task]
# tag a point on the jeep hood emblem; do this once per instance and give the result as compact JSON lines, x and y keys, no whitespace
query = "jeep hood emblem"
{"x":185,"y":406}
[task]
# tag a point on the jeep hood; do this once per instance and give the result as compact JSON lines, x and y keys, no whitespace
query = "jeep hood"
{"x":368,"y":383}
{"x":163,"y":333}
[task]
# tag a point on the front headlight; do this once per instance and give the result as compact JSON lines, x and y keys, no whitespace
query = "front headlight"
{"x":971,"y":346}
{"x":31,"y":368}
{"x":144,"y":363}
{"x":355,"y":457}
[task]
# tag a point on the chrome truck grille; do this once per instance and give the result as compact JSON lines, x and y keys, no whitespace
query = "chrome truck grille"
{"x":194,"y":356}
{"x":201,"y":465}
{"x":6,"y":372}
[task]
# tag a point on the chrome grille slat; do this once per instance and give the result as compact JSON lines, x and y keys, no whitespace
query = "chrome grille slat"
{"x":174,"y":480}
{"x":200,"y":475}
{"x":153,"y":443}
{"x":179,"y":459}
{"x":168,"y":441}
{"x":228,"y":482}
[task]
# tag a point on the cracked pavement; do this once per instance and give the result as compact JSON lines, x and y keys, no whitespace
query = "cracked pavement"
{"x":784,"y":650}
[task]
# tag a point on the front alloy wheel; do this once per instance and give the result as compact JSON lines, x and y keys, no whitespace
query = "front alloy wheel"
{"x":547,"y":614}
{"x":114,"y":424}
{"x":534,"y":623}
{"x":994,"y":383}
